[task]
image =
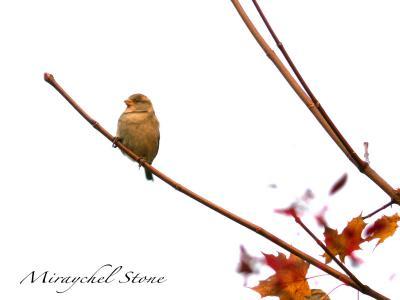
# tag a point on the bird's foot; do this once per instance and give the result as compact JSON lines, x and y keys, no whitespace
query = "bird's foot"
{"x":115,"y":141}
{"x":140,"y":161}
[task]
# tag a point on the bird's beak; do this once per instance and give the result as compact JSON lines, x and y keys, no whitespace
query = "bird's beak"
{"x":126,"y":102}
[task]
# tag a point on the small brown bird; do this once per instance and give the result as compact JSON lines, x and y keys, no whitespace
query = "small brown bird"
{"x":138,"y":129}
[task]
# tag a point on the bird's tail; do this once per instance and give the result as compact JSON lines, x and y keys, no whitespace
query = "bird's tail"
{"x":149,"y":175}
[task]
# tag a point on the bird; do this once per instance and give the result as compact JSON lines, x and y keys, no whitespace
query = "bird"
{"x":139,"y":129}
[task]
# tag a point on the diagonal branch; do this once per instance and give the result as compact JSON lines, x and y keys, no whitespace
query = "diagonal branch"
{"x":379,"y":209}
{"x":253,"y":227}
{"x":354,"y":158}
{"x":367,"y":170}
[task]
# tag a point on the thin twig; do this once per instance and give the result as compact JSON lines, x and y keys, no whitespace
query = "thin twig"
{"x":379,"y":209}
{"x":257,"y":229}
{"x":316,"y":276}
{"x":368,"y":171}
{"x":329,"y":252}
{"x":332,"y":290}
{"x":354,"y":158}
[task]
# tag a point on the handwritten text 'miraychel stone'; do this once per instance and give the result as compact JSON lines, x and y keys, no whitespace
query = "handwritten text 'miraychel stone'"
{"x":104,"y":275}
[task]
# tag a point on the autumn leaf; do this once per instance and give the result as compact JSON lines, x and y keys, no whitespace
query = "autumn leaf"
{"x":294,"y":210}
{"x":320,"y":217}
{"x":338,"y":184}
{"x":317,"y":294}
{"x":382,"y":228}
{"x":308,"y":196}
{"x":289,"y":281}
{"x":247,"y":265}
{"x":289,"y":211}
{"x":345,"y":243}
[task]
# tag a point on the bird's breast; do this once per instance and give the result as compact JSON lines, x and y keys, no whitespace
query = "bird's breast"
{"x":140,"y":133}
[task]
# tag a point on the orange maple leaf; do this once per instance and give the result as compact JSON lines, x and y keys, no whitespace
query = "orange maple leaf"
{"x":382,"y":228}
{"x":345,"y":243}
{"x":289,"y":281}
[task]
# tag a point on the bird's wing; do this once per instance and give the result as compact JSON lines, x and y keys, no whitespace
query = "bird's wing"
{"x":118,"y":127}
{"x":158,"y":144}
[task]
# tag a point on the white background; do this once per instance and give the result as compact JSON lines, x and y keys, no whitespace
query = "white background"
{"x":230,"y":127}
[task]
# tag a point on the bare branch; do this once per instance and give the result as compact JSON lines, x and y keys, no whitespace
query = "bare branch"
{"x":379,"y":209}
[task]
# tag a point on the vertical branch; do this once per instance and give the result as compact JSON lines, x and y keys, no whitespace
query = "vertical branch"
{"x":354,"y":158}
{"x":286,"y":74}
{"x":368,"y":171}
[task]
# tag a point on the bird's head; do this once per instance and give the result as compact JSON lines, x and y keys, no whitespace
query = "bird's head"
{"x":138,"y":103}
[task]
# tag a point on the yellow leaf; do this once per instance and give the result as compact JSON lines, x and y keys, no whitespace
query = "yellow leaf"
{"x":382,"y":228}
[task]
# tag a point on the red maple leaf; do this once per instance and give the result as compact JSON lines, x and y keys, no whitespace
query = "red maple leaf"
{"x":345,"y":243}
